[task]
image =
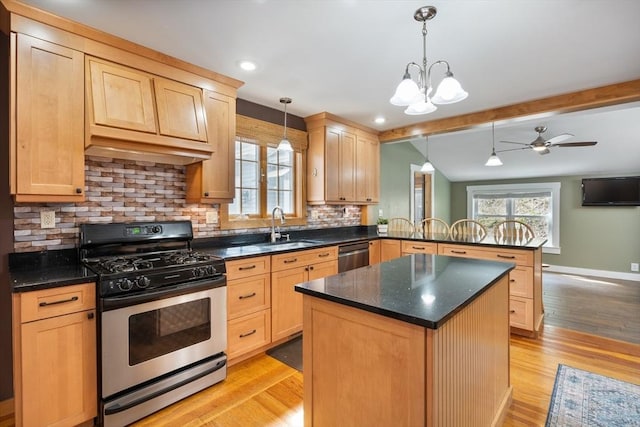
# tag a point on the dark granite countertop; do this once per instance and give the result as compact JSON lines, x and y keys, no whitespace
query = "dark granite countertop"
{"x":425,"y":290}
{"x":30,"y":271}
{"x":534,"y":243}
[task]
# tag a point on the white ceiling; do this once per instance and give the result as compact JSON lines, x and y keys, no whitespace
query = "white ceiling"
{"x":347,"y":56}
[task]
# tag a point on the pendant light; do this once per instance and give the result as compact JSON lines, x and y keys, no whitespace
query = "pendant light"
{"x":427,"y":166}
{"x":285,"y":145}
{"x":418,"y":96}
{"x":493,"y":159}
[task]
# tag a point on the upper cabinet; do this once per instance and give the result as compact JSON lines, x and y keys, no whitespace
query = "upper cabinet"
{"x":129,"y":107}
{"x":213,"y":180}
{"x":47,"y":121}
{"x":343,"y":162}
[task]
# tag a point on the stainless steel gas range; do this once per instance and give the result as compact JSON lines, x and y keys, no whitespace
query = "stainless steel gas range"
{"x":162,"y":316}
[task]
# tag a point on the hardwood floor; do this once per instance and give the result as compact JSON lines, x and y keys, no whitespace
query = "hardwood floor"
{"x":603,"y":307}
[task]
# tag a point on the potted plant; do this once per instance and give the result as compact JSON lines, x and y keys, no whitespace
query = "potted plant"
{"x":383,"y":224}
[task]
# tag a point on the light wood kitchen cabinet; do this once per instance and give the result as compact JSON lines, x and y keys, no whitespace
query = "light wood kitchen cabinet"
{"x":287,"y":271}
{"x":417,"y":247}
{"x":390,"y":249}
{"x":127,"y":106}
{"x":248,"y":305}
{"x":55,"y":379}
{"x":213,"y":180}
{"x":374,"y":252}
{"x":525,"y":281}
{"x":367,"y":169}
{"x":342,"y":161}
{"x":47,"y":142}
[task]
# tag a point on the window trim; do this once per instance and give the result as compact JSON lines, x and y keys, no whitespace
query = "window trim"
{"x":553,"y":187}
{"x":269,"y":134}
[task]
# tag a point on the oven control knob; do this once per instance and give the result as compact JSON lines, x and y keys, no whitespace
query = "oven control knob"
{"x":210,"y":270}
{"x":125,"y":285}
{"x":197,"y":272}
{"x":143,"y":282}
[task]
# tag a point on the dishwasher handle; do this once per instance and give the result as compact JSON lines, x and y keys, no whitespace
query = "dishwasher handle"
{"x":352,"y":247}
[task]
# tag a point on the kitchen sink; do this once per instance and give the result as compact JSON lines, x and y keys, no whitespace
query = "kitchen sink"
{"x":286,"y":245}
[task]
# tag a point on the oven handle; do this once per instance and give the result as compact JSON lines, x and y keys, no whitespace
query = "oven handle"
{"x":112,"y":303}
{"x":117,"y":408}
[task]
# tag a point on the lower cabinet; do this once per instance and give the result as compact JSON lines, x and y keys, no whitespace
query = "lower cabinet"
{"x":417,"y":247}
{"x":390,"y":249}
{"x":54,"y":339}
{"x":248,"y":305}
{"x":287,"y":271}
{"x":374,"y":252}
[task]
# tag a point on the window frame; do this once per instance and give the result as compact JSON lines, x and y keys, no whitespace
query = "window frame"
{"x":552,"y":246}
{"x":265,"y":135}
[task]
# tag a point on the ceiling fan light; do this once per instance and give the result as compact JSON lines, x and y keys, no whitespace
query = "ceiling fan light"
{"x":449,"y":91}
{"x":405,"y":93}
{"x":422,"y":107}
{"x":284,"y":145}
{"x":539,"y":148}
{"x":493,"y":160}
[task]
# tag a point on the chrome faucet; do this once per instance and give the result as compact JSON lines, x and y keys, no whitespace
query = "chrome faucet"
{"x":275,"y":234}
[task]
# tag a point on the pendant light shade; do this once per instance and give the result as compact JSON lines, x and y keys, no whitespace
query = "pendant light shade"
{"x":284,"y":144}
{"x":426,"y":166}
{"x":493,"y":159}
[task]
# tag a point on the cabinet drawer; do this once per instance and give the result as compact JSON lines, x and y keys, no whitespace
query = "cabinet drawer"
{"x":248,"y":333}
{"x":53,"y":302}
{"x":297,"y":259}
{"x":410,"y":247}
{"x":469,"y":251}
{"x":521,"y":313}
{"x":521,"y":282}
{"x":247,"y":267}
{"x":246,"y":296}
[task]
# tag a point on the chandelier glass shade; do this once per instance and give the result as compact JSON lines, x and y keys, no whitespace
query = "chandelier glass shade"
{"x":284,"y":144}
{"x":417,"y":96}
{"x":426,"y":166}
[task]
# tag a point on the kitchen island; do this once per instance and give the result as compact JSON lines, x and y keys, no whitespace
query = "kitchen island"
{"x":421,"y":340}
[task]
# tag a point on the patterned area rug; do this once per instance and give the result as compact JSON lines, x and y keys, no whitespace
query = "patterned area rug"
{"x":582,"y":398}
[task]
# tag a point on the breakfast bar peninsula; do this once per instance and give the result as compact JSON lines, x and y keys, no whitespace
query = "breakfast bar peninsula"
{"x":421,"y":340}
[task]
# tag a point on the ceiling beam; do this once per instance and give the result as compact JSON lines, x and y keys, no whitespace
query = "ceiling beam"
{"x":618,"y":93}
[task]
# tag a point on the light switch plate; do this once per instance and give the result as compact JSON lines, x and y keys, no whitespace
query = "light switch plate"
{"x":47,"y":219}
{"x":635,"y":266}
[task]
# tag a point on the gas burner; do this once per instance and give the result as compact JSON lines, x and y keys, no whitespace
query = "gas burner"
{"x":187,"y":257}
{"x":121,"y":265}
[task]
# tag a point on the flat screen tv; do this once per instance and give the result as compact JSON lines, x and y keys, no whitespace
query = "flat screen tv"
{"x":617,"y":191}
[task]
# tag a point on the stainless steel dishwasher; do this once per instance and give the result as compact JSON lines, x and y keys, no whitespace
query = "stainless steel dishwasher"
{"x":353,"y":255}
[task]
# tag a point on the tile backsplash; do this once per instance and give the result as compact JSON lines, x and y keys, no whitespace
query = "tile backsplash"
{"x":124,"y":191}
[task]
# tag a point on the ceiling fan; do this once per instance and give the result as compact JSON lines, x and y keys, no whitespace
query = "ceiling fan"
{"x":542,"y":145}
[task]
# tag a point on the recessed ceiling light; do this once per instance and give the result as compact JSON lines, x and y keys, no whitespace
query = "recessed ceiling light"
{"x":247,"y":65}
{"x":379,"y":120}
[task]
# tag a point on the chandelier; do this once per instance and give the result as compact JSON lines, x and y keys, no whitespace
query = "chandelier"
{"x":417,"y":97}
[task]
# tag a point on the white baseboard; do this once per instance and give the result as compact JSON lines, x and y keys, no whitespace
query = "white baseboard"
{"x":590,"y":272}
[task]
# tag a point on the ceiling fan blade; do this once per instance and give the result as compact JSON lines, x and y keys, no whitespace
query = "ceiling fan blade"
{"x":559,"y":138}
{"x":576,"y":144}
{"x":513,"y":142}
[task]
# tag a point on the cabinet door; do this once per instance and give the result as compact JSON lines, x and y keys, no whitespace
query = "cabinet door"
{"x":367,"y":169}
{"x":390,"y":249}
{"x":180,"y":111}
{"x":59,"y":370}
{"x":347,"y":167}
{"x":214,"y":179}
{"x":332,"y":165}
{"x":374,"y":252}
{"x":49,"y":145}
{"x":121,"y":97}
{"x":323,"y":269}
{"x":286,"y":303}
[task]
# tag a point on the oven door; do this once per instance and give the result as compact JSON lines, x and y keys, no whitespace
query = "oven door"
{"x":156,"y":333}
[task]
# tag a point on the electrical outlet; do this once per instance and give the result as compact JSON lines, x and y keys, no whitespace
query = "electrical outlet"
{"x":212,"y":217}
{"x":635,"y":267}
{"x":379,"y":212}
{"x":314,"y":214}
{"x":47,"y":219}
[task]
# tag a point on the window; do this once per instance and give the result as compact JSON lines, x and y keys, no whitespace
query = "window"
{"x":535,"y":204}
{"x":254,"y":187}
{"x":265,"y":177}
